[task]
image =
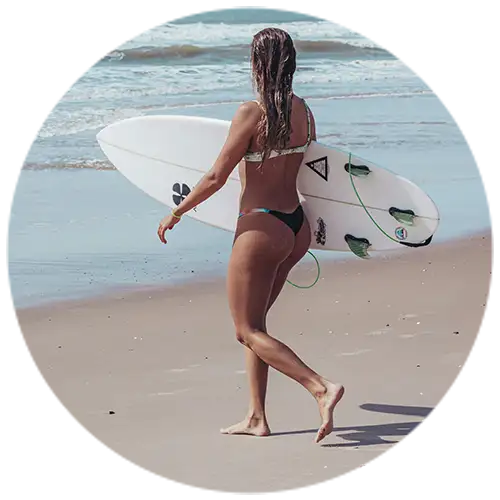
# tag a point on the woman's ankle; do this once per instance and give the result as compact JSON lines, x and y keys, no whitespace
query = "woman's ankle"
{"x":318,"y":387}
{"x":256,"y":415}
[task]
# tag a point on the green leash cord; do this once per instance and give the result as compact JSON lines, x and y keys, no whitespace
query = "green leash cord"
{"x":317,"y":277}
{"x":363,"y":205}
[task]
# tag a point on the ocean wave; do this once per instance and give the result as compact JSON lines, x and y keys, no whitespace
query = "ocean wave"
{"x":60,"y":123}
{"x":161,"y":53}
{"x":369,"y":95}
{"x":399,"y":123}
{"x":339,"y":47}
{"x":114,"y":84}
{"x":310,"y":97}
{"x":209,"y":35}
{"x":187,"y":51}
{"x":71,"y":165}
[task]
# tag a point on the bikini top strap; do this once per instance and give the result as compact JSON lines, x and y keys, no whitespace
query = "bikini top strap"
{"x":308,"y":112}
{"x":259,"y":104}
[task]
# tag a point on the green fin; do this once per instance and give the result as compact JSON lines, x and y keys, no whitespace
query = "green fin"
{"x":403,"y":216}
{"x":357,"y":170}
{"x":358,"y":246}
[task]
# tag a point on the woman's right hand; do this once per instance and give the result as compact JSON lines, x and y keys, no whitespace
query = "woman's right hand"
{"x":167,"y":222}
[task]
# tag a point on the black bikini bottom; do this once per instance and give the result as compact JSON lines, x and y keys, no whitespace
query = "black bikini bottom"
{"x":294,"y":220}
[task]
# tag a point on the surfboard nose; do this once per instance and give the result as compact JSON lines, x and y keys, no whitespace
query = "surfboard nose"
{"x":118,"y":127}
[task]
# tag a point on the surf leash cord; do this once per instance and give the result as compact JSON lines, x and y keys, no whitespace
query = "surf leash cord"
{"x":317,"y":277}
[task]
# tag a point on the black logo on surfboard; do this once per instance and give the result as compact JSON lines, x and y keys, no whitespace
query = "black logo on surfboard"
{"x":180,"y":192}
{"x":320,"y":166}
{"x":320,"y":233}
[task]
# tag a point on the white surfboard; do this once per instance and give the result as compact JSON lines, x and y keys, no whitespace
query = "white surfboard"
{"x":350,"y":203}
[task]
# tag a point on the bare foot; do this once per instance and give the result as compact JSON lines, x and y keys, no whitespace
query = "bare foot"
{"x":251,"y":426}
{"x":327,"y":403}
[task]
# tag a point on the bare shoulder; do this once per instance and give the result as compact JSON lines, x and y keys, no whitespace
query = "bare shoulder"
{"x":247,"y":114}
{"x":249,"y":109}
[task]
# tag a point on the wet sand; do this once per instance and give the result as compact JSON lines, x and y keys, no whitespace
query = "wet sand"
{"x":156,"y":373}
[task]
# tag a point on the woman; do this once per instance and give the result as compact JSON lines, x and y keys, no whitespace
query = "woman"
{"x":267,"y":138}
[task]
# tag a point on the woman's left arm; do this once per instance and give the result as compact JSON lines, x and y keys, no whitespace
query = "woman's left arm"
{"x":237,"y":143}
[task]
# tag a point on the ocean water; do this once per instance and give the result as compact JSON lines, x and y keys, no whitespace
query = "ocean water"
{"x":79,"y":228}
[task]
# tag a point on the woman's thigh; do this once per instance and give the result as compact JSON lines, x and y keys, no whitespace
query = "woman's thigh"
{"x":301,"y":246}
{"x":262,"y":243}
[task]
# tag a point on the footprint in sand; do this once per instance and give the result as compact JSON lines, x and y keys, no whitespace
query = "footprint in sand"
{"x":376,"y":332}
{"x":355,"y":353}
{"x":407,"y":335}
{"x":173,"y":393}
{"x":379,"y":332}
{"x":180,"y":370}
{"x":408,"y":316}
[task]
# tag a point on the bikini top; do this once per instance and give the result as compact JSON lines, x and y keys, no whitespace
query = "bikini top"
{"x":257,"y":155}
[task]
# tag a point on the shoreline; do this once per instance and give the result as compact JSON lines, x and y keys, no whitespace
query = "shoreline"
{"x":303,"y":270}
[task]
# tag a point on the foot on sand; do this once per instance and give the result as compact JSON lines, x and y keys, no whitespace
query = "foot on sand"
{"x":251,"y":426}
{"x":327,"y":403}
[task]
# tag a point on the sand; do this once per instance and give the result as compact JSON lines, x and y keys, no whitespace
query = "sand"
{"x":155,"y":374}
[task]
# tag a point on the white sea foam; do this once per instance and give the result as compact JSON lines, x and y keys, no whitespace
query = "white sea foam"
{"x":230,"y":34}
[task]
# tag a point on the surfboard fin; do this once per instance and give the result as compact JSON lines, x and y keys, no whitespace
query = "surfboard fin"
{"x":358,"y":246}
{"x":357,"y":170}
{"x":403,"y":216}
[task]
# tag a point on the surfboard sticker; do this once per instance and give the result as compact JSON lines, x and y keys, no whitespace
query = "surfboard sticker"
{"x":320,"y":166}
{"x":401,"y":233}
{"x":180,"y":192}
{"x":320,"y":233}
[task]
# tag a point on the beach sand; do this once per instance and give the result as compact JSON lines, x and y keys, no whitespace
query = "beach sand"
{"x":154,"y":374}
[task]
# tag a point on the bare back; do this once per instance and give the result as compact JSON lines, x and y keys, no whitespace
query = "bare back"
{"x":273,"y":184}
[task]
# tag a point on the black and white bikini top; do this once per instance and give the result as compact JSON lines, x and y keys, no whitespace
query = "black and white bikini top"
{"x":257,"y":155}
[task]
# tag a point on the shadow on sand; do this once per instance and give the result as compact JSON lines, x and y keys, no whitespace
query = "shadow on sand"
{"x":439,"y":424}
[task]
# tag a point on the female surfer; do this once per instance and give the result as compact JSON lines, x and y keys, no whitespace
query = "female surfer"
{"x":267,"y":139}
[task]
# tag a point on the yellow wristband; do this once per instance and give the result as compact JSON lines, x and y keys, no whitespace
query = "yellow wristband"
{"x":176,"y":216}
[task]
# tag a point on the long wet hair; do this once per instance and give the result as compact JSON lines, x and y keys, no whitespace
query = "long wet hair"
{"x":273,"y":65}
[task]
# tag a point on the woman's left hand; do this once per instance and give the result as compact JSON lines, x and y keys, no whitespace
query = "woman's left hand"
{"x":167,"y":222}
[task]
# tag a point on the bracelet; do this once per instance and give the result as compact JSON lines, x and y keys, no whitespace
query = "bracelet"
{"x":176,"y":216}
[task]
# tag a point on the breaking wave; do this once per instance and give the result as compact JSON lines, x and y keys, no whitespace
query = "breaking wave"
{"x":146,"y":54}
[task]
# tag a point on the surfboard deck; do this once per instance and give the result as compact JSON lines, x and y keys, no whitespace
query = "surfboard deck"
{"x":342,"y":195}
